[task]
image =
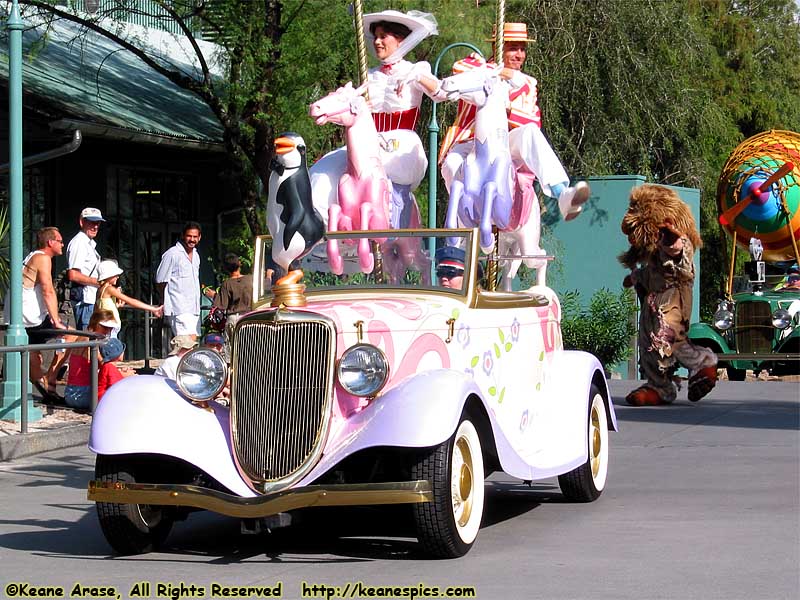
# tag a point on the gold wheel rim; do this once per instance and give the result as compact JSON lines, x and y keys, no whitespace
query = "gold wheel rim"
{"x":463,"y":482}
{"x":596,"y":442}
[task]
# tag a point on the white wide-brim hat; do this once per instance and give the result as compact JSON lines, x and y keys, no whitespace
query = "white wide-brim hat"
{"x":107,"y":269}
{"x":420,"y":23}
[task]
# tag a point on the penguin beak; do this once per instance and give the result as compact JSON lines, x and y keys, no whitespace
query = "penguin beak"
{"x":284,"y":145}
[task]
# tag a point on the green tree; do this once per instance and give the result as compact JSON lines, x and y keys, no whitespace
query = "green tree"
{"x":247,"y":102}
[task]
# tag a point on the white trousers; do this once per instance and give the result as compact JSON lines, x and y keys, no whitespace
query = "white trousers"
{"x":528,"y":146}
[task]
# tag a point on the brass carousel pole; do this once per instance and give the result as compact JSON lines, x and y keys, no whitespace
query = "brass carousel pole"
{"x":361,"y":46}
{"x":491,"y":264}
{"x":361,"y":42}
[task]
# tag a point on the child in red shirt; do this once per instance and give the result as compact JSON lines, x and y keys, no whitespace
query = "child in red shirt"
{"x":109,"y":374}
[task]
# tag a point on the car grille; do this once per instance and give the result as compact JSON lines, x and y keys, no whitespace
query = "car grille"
{"x":754,"y":331}
{"x":281,"y":394}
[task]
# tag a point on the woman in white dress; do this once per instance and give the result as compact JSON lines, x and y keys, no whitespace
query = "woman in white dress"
{"x":395,"y":91}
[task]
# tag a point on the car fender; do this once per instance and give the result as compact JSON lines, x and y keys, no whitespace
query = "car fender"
{"x":421,"y":411}
{"x":561,"y":425}
{"x":147,"y":414}
{"x":703,"y":332}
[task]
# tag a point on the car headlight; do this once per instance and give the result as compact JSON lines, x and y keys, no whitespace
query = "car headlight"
{"x":781,"y":319}
{"x":363,"y":370}
{"x":202,"y":373}
{"x":723,"y":318}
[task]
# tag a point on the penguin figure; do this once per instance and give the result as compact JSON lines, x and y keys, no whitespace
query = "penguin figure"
{"x":292,"y":221}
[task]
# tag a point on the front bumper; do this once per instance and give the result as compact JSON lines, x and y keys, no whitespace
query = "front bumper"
{"x":362,"y":494}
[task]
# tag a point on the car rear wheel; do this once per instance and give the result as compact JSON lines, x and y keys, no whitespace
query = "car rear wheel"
{"x":447,"y":526}
{"x":586,"y":483}
{"x":735,"y":374}
{"x":129,"y":528}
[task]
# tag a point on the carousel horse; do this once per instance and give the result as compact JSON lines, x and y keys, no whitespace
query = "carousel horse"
{"x":523,"y":236}
{"x":487,"y":190}
{"x":365,"y":193}
{"x":481,"y":193}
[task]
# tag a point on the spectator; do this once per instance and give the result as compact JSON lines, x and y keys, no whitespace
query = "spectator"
{"x":215,"y":342}
{"x":77,"y":394}
{"x":82,"y":264}
{"x":178,"y":280}
{"x":235,"y":295}
{"x":109,"y":373}
{"x":109,"y":296}
{"x":39,"y":305}
{"x":179,"y":345}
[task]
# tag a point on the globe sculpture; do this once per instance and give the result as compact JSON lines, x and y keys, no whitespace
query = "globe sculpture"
{"x":758,"y":194}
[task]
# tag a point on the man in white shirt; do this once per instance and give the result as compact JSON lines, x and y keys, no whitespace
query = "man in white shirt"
{"x":82,"y":264}
{"x":178,"y":280}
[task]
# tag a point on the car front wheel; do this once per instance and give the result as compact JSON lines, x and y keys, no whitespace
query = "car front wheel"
{"x":129,"y":528}
{"x":447,"y":526}
{"x":586,"y":483}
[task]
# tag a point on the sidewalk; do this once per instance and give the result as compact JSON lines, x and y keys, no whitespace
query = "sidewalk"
{"x":59,"y":427}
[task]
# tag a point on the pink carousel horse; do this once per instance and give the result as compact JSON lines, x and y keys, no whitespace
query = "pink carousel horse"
{"x":364,"y":192}
{"x":364,"y":189}
{"x":487,"y":190}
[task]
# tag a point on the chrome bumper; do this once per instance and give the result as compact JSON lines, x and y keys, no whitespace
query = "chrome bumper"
{"x":757,"y":356}
{"x":400,"y":492}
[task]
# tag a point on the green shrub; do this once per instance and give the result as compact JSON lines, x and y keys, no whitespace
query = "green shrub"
{"x":605,"y":328}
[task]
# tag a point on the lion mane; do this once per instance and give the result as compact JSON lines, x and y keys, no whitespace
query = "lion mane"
{"x":651,"y":206}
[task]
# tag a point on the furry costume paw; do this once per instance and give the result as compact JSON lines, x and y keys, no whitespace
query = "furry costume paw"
{"x":702,"y":382}
{"x":644,"y":396}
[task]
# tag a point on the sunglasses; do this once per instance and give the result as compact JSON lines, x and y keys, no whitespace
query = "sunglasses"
{"x":449,"y":272}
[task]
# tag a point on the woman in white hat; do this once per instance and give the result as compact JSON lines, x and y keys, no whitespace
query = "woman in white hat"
{"x":395,"y":90}
{"x":109,"y":296}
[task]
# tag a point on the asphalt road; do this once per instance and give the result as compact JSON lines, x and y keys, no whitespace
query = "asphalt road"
{"x":702,"y":501}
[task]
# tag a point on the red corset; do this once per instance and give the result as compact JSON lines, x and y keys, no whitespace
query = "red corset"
{"x":404,"y":119}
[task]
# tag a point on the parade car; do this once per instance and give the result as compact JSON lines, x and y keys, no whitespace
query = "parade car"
{"x":758,"y":327}
{"x":359,"y":388}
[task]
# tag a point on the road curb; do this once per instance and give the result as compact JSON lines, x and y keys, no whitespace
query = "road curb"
{"x":27,"y":444}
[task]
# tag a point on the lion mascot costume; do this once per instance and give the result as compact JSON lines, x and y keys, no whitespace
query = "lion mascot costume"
{"x":663,"y":236}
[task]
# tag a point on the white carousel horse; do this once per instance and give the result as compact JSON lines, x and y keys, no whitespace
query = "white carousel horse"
{"x":487,"y":190}
{"x":364,"y":191}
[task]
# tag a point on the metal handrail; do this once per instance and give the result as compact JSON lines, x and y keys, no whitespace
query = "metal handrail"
{"x":95,"y":341}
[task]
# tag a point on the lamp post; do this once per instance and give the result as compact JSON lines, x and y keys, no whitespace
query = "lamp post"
{"x":15,"y":391}
{"x":433,"y":149}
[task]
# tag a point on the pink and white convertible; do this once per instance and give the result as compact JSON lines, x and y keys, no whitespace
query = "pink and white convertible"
{"x":357,"y":389}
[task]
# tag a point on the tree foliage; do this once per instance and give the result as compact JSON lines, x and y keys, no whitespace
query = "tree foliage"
{"x":661,"y":88}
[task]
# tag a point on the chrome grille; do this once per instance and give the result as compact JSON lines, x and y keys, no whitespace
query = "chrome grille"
{"x":754,"y":331}
{"x":281,"y":394}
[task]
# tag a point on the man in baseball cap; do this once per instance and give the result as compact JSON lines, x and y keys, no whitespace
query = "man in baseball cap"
{"x":83,"y":262}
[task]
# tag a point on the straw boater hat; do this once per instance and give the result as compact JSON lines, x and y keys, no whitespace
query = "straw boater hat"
{"x":512,"y":32}
{"x":421,"y":25}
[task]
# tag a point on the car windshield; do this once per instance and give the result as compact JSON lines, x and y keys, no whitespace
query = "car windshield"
{"x":400,"y":259}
